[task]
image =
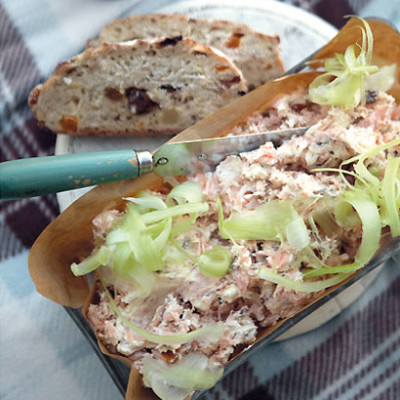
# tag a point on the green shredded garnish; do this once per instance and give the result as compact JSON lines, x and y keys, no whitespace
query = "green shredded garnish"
{"x":391,"y":189}
{"x":181,"y":209}
{"x":372,"y":203}
{"x":348,"y":76}
{"x":221,"y":223}
{"x":384,"y":192}
{"x":147,"y":202}
{"x":187,"y":192}
{"x":215,"y":262}
{"x":137,"y":245}
{"x":275,"y":220}
{"x":297,"y":233}
{"x":299,"y":285}
{"x":91,"y":263}
{"x":371,"y":226}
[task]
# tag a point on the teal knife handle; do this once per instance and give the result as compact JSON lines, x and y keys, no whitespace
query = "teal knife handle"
{"x":43,"y":175}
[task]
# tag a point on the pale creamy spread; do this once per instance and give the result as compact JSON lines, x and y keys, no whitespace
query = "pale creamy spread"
{"x":184,"y":300}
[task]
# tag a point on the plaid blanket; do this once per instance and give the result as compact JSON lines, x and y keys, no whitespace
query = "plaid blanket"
{"x":355,"y":356}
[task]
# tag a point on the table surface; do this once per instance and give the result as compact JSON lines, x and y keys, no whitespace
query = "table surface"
{"x":44,"y":355}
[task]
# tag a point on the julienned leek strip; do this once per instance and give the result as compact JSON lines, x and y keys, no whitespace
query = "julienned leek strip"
{"x":300,"y":286}
{"x":347,"y":77}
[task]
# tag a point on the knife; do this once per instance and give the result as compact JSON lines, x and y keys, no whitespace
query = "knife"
{"x":43,"y":175}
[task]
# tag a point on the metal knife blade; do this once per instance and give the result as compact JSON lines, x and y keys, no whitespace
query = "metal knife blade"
{"x":199,"y":156}
{"x":43,"y":175}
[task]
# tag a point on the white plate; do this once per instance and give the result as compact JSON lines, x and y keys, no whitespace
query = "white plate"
{"x":301,"y":34}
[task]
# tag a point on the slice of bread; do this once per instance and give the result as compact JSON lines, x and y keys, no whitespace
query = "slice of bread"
{"x":138,"y":87}
{"x":254,"y":53}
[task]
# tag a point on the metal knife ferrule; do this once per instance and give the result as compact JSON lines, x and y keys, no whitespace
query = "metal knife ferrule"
{"x":144,"y":162}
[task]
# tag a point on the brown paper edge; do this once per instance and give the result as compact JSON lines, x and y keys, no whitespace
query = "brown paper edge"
{"x":69,"y":237}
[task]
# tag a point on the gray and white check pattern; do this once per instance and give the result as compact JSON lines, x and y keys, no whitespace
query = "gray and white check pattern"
{"x":354,"y":356}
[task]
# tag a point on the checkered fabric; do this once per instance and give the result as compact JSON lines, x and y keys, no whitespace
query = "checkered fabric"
{"x":43,"y":355}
